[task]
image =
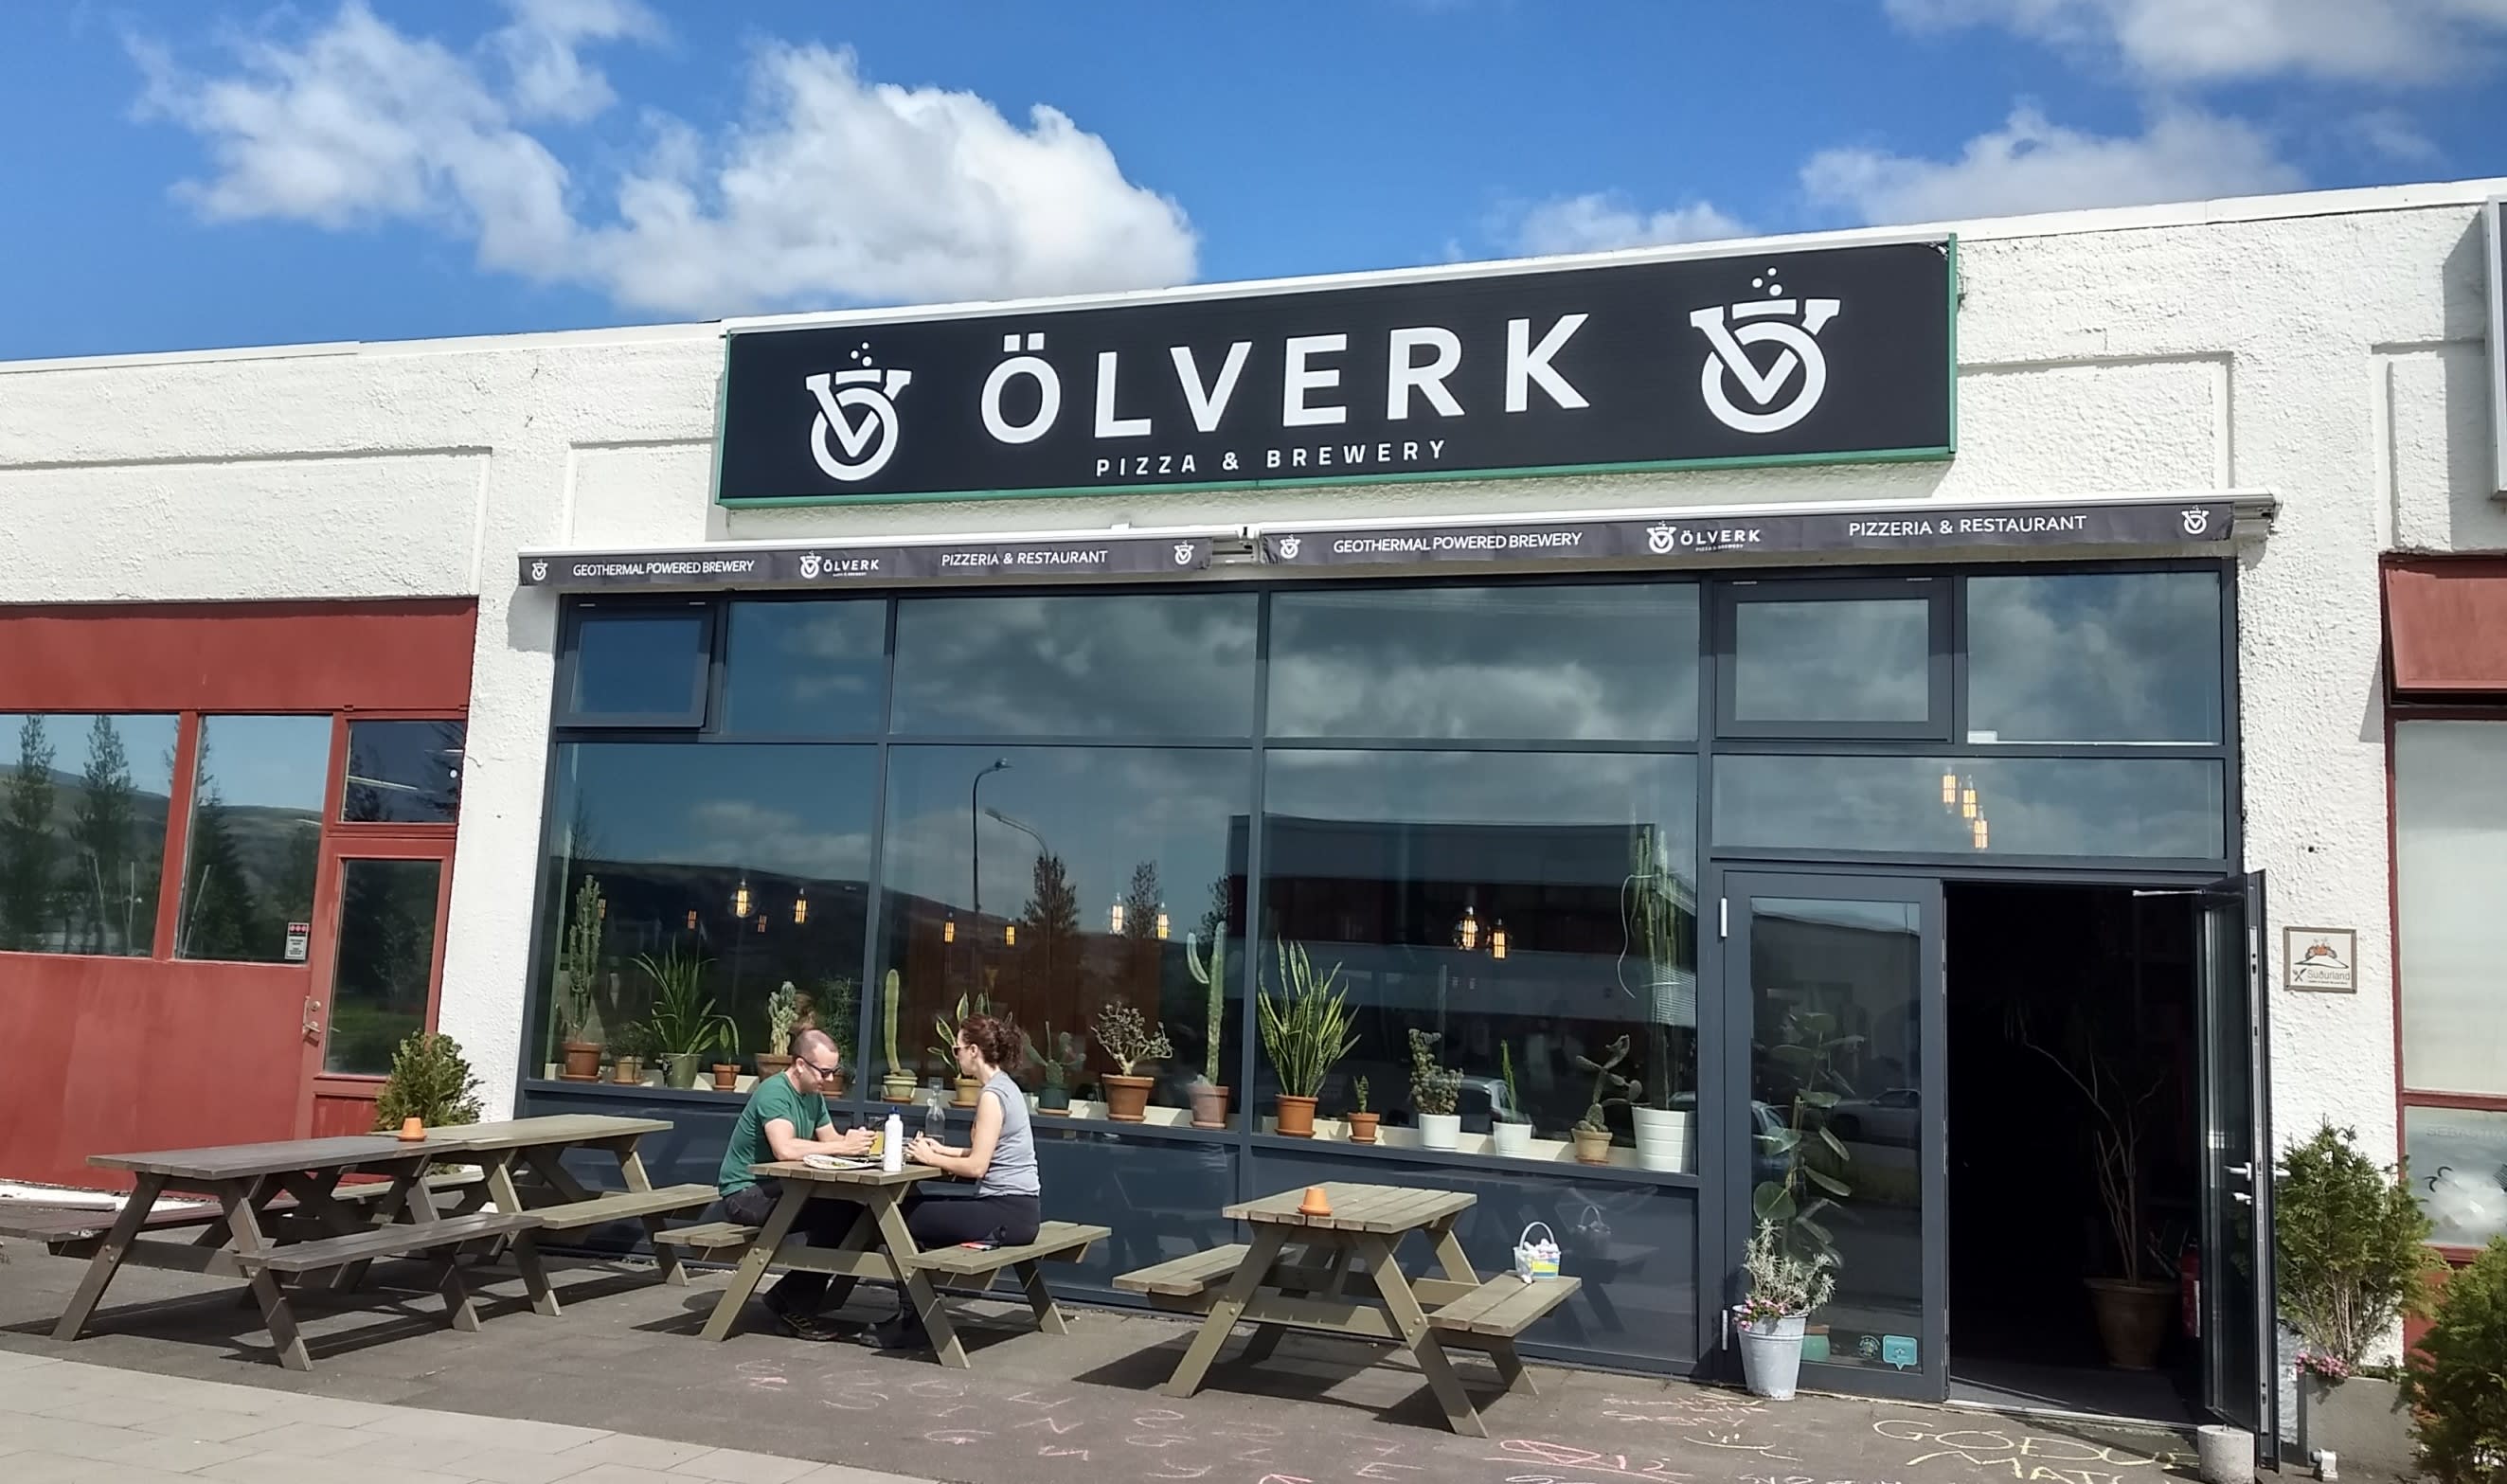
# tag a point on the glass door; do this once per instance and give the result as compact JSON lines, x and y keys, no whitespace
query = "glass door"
{"x":1836,"y":1144}
{"x":378,"y":960}
{"x":2238,"y":1298}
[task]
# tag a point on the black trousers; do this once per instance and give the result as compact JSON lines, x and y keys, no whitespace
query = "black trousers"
{"x":823,"y":1221}
{"x":945,"y":1219}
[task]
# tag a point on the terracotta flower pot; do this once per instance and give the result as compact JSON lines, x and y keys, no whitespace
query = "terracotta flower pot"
{"x":772,"y":1064}
{"x":1362,"y":1127}
{"x":968,"y":1090}
{"x":897,"y":1088}
{"x":581,"y":1062}
{"x":2132,"y":1320}
{"x":1127,"y":1099}
{"x":1209,"y":1106}
{"x":1592,"y":1147}
{"x":1296,"y":1117}
{"x":726,"y":1076}
{"x":628,"y":1071}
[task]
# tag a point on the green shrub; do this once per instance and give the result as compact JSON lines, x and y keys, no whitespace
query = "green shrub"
{"x":430,"y":1080}
{"x":2458,"y":1379}
{"x":2352,"y":1249}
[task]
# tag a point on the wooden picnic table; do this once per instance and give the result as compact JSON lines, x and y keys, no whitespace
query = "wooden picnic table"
{"x":1296,"y":1275}
{"x":281,"y":1208}
{"x":879,"y":1247}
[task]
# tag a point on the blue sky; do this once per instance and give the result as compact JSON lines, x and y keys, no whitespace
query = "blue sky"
{"x":189,"y":173}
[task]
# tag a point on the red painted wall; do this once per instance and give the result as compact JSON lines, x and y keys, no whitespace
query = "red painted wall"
{"x":124,"y":1054}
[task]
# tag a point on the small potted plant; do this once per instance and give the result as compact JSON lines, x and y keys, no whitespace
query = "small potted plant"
{"x":578,"y":963}
{"x":1130,"y":1044}
{"x":2350,"y":1245}
{"x":1065,"y":1055}
{"x":783,"y":1010}
{"x":726,"y":1076}
{"x":629,"y":1045}
{"x":2455,"y":1373}
{"x":1434,"y":1092}
{"x":1512,"y":1133}
{"x":1609,"y":1088}
{"x":684,"y":1022}
{"x":1210,"y":972}
{"x":1305,"y":1032}
{"x":1785,"y":1289}
{"x":1362,"y":1123}
{"x":896,"y":1085}
{"x":946,"y":1047}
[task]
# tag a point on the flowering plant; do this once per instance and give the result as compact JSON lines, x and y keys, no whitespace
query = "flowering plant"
{"x":2323,"y":1365}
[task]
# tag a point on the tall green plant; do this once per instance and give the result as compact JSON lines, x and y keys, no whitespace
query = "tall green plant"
{"x":2458,"y":1380}
{"x":891,"y":991}
{"x":1513,"y":1112}
{"x":684,"y":1021}
{"x":782,"y":1018}
{"x":430,"y":1081}
{"x":1433,"y":1088}
{"x":578,"y":959}
{"x":1210,"y":972}
{"x":2351,"y":1245}
{"x":1813,"y":1161}
{"x":1308,"y":1029}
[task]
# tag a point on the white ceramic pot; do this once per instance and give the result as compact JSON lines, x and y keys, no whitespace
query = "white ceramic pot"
{"x":1440,"y":1131}
{"x":1511,"y":1139}
{"x":1666,"y":1139}
{"x":1772,"y":1355}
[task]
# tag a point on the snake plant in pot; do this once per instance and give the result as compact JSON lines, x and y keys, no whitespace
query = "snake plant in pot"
{"x":1510,"y":1134}
{"x":685,"y":1022}
{"x":1305,"y":1032}
{"x":1210,"y":972}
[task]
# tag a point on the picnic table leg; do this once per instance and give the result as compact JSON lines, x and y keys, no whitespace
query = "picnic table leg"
{"x":457,"y":1294}
{"x":1048,"y":1314}
{"x":1267,"y":1339}
{"x":753,"y":1265}
{"x":108,"y":1258}
{"x":1221,"y":1321}
{"x":913,"y":1285}
{"x":526,"y":1252}
{"x":857,"y":1237}
{"x":1402,"y":1305}
{"x":241,"y":1216}
{"x":630,"y":1169}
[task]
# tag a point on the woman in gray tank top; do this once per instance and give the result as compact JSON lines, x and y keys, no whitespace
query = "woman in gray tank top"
{"x":999,"y":1157}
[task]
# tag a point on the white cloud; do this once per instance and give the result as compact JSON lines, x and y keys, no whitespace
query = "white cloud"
{"x":2196,"y":40}
{"x":2033,"y":164}
{"x":2387,"y":134}
{"x":1599,"y":221}
{"x":828,"y":189}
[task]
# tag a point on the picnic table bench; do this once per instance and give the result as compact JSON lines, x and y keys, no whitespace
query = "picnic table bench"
{"x":1260,"y":1283}
{"x":879,"y":1248}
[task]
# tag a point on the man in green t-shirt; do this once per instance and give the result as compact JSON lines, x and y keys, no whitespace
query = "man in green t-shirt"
{"x":787,"y":1119}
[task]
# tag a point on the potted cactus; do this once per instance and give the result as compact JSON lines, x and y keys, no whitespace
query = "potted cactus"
{"x":1434,"y":1092}
{"x":897,"y":1084}
{"x":1511,"y":1134}
{"x":578,"y":961}
{"x":1130,"y":1044}
{"x":1362,"y":1123}
{"x":1064,"y":1055}
{"x":1593,"y":1130}
{"x":1210,"y":972}
{"x":783,"y":1011}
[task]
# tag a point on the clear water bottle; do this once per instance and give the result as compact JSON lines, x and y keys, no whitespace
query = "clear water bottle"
{"x":936,"y":1119}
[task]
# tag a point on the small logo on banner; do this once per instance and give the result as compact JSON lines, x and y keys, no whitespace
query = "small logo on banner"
{"x":862,"y":446}
{"x":539,"y":571}
{"x":1659,"y":539}
{"x":2196,"y":520}
{"x":1184,"y":554}
{"x":810,"y":566}
{"x":1289,"y":546}
{"x":1731,"y":329}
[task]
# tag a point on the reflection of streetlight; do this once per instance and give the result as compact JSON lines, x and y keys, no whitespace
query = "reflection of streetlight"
{"x":975,"y":854}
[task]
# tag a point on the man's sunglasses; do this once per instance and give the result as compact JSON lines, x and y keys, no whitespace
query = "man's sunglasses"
{"x":824,"y":1072}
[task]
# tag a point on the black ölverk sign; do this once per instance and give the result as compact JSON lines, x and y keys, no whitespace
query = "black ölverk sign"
{"x":1839,"y":353}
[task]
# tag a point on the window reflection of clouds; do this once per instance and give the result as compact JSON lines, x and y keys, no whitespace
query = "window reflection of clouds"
{"x":1133,"y":664}
{"x":639,"y":663}
{"x":804,"y":667}
{"x":801,"y":810}
{"x":1833,"y":659}
{"x":2095,"y":656}
{"x":2134,"y":807}
{"x":2457,"y":1162}
{"x":1502,"y":790}
{"x":1583,"y":662}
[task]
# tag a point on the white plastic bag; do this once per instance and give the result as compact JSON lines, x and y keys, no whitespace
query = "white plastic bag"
{"x":1536,"y":1259}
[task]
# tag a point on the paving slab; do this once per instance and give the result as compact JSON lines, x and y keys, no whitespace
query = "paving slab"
{"x":620,"y":1391}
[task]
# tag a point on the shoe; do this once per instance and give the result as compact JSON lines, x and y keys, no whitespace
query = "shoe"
{"x":799,"y":1326}
{"x":896,"y":1334}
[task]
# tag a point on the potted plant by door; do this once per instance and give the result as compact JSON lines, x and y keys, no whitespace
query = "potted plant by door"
{"x":1362,"y":1123}
{"x":2350,"y":1245}
{"x":578,"y":964}
{"x":1065,"y":1055}
{"x":1511,"y":1134}
{"x":2455,"y":1373}
{"x":784,"y":1009}
{"x":1434,"y":1092}
{"x":1210,"y":972}
{"x":1130,"y":1044}
{"x":896,"y":1085}
{"x":1305,"y":1032}
{"x":686,"y":1024}
{"x":2133,"y":1308}
{"x":1786,"y":1288}
{"x":1609,"y":1088}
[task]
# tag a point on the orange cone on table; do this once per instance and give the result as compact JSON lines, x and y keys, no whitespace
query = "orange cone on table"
{"x":1315,"y":1203}
{"x":413,"y":1129}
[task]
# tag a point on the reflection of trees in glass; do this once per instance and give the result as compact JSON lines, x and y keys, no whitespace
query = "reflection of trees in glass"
{"x":1049,"y":932}
{"x":1142,"y":900}
{"x":108,"y":895}
{"x":1214,"y":918}
{"x":223,"y":918}
{"x":29,"y":875}
{"x":387,"y":955}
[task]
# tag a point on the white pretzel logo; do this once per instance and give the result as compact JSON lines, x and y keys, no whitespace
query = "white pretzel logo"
{"x":862,"y":446}
{"x":1731,"y":329}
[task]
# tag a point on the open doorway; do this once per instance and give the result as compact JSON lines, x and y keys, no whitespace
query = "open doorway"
{"x":2049,"y":987}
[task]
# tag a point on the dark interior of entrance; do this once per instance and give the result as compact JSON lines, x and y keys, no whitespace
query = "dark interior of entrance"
{"x":2051,"y":988}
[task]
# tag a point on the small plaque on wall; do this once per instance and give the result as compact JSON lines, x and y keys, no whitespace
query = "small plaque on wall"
{"x":2322,"y":961}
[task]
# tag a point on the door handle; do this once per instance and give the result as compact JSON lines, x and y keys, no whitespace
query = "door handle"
{"x":2241,"y":1197}
{"x":312,"y":1020}
{"x":2242,"y":1172}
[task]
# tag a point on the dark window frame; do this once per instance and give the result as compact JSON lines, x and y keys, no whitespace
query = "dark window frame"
{"x":705,"y":682}
{"x":1936,"y":590}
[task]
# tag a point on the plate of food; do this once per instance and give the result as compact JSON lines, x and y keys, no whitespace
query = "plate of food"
{"x":838,"y":1161}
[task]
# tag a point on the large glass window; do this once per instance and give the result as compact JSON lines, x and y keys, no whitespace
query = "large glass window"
{"x":691,"y":882}
{"x":2095,"y":657}
{"x":384,"y":966}
{"x":639,"y":666}
{"x":804,"y":668}
{"x":404,"y":773}
{"x":1586,"y":663}
{"x":1049,"y":884}
{"x":1076,"y":665}
{"x":1836,"y":659}
{"x":84,"y":801}
{"x":2139,"y":808}
{"x":255,"y":839}
{"x":2456,"y":1158}
{"x":1534,"y":912}
{"x":2450,"y":877}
